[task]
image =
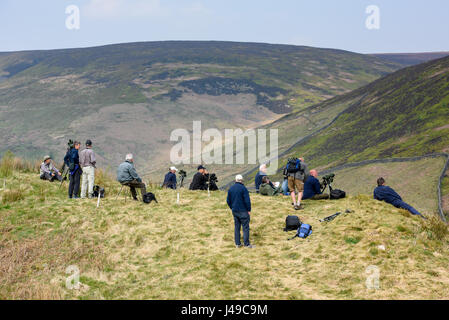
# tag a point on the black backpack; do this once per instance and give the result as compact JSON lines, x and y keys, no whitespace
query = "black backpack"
{"x":148,"y":197}
{"x":337,"y":194}
{"x":98,"y":191}
{"x":292,"y":223}
{"x":293,"y":165}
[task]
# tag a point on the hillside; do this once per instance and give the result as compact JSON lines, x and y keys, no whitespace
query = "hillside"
{"x":128,"y":250}
{"x":408,"y":59}
{"x":129,"y":97}
{"x":401,"y":115}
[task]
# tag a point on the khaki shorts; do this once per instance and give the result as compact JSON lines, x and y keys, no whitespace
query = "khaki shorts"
{"x":292,"y":183}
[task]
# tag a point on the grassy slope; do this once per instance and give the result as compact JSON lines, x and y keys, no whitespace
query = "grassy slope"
{"x":402,"y":114}
{"x":169,"y":251}
{"x":418,"y":189}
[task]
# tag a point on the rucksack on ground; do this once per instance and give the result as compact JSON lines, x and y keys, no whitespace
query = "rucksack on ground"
{"x":98,"y":191}
{"x":148,"y":197}
{"x":336,"y":194}
{"x":292,"y":223}
{"x":303,"y":232}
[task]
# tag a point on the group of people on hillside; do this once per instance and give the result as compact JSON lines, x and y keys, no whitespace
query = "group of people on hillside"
{"x":304,"y":185}
{"x":79,"y":164}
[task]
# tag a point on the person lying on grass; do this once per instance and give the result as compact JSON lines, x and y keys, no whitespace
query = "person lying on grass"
{"x":387,"y":194}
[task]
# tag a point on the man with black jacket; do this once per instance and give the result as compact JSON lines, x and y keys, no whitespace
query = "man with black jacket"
{"x":199,"y":181}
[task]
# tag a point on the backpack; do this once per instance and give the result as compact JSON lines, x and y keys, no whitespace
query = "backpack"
{"x":148,"y":197}
{"x":98,"y":191}
{"x":293,"y":165}
{"x":292,"y":223}
{"x":337,"y":194}
{"x":304,"y":231}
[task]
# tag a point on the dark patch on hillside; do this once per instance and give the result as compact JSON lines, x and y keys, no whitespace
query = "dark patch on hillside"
{"x":215,"y":86}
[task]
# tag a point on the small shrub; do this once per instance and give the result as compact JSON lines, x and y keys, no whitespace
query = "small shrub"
{"x":10,"y":196}
{"x":9,"y":163}
{"x":6,"y":164}
{"x":435,"y":228}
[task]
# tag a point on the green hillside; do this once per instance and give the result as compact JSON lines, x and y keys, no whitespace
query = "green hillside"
{"x":128,"y":250}
{"x":403,"y":114}
{"x":129,"y":97}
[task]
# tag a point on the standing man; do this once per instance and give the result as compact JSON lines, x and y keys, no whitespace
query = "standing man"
{"x":170,"y":179}
{"x":48,"y":171}
{"x":199,"y":181}
{"x":312,"y":188}
{"x":387,"y":194}
{"x":127,"y":176}
{"x":296,"y":172}
{"x":239,"y":202}
{"x":74,"y":171}
{"x":87,"y":163}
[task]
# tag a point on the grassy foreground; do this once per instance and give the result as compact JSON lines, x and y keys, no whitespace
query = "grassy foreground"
{"x":128,"y":250}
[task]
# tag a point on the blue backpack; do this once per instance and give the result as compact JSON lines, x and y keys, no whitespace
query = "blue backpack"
{"x":304,"y":231}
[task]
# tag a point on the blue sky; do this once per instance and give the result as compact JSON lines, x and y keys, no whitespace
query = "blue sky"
{"x":405,"y":25}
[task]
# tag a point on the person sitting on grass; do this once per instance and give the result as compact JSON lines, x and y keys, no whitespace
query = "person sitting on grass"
{"x":170,"y":179}
{"x":312,"y":188}
{"x":127,"y":176}
{"x":387,"y":194}
{"x":268,"y":189}
{"x":258,"y":179}
{"x":199,"y":181}
{"x":48,"y":171}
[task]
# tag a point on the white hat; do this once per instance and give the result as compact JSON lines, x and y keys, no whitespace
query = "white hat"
{"x":129,"y":156}
{"x":238,"y":178}
{"x":173,"y":168}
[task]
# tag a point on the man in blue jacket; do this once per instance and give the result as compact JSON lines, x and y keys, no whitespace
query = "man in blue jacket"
{"x":170,"y":179}
{"x":312,"y":188}
{"x":75,"y":171}
{"x":239,"y":202}
{"x":387,"y":194}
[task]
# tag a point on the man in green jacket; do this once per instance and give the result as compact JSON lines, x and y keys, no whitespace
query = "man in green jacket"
{"x":266,"y":188}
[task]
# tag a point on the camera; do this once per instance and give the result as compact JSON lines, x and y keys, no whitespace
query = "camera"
{"x":327,"y":180}
{"x":182,"y":173}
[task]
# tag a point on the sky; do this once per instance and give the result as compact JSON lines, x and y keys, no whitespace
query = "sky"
{"x":394,"y":26}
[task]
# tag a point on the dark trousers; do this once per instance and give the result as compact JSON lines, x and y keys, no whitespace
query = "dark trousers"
{"x":241,"y":220}
{"x":403,"y":205}
{"x":74,"y":185}
{"x":136,"y":184}
{"x":49,"y":177}
{"x":323,"y":196}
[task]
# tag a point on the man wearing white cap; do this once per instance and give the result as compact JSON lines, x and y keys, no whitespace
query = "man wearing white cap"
{"x":170,"y":179}
{"x":239,"y":202}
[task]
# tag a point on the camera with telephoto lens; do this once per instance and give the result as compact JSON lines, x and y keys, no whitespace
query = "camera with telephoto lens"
{"x":327,"y":180}
{"x":182,"y":173}
{"x":212,"y":177}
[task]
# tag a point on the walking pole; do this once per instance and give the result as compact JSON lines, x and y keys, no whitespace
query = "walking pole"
{"x":98,"y":202}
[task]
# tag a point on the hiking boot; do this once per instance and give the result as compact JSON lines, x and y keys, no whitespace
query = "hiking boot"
{"x":250,"y":246}
{"x":238,"y":246}
{"x":299,"y":207}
